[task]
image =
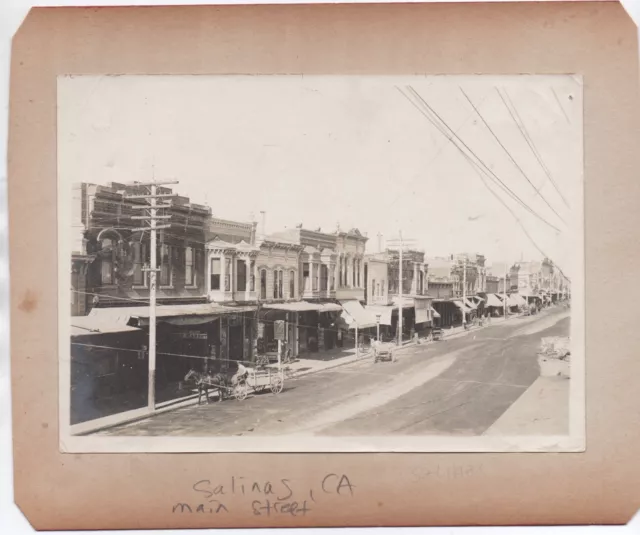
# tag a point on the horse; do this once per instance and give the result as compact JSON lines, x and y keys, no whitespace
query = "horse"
{"x":204,"y":381}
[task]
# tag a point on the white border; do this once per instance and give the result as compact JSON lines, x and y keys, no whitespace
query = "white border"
{"x":575,"y":441}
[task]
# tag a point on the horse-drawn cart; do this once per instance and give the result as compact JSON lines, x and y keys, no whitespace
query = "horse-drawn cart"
{"x":258,"y":380}
{"x":383,"y":352}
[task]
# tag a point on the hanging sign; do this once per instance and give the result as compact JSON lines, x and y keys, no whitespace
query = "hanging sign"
{"x":260,"y":330}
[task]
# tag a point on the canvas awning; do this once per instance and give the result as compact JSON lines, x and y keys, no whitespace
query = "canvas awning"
{"x":435,"y":313}
{"x":459,"y":304}
{"x":296,"y":306}
{"x":175,"y":314}
{"x":100,"y":324}
{"x":385,"y":313}
{"x":494,"y":301}
{"x":516,"y":300}
{"x":470,"y":304}
{"x":356,"y":315}
{"x":330,"y":307}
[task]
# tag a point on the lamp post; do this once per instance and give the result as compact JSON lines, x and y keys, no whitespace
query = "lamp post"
{"x":378,"y":327}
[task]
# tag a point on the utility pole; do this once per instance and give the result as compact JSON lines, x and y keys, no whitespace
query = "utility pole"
{"x":401,"y":244}
{"x":464,"y":293}
{"x":152,"y":217}
{"x":504,"y":289}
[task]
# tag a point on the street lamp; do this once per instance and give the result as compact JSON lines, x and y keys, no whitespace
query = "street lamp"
{"x":378,"y":327}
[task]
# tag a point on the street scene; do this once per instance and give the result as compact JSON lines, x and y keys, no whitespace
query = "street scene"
{"x":463,"y":386}
{"x":322,"y":256}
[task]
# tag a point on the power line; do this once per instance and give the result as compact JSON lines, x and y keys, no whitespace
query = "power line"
{"x":523,"y":130}
{"x":495,"y":177}
{"x":510,"y":156}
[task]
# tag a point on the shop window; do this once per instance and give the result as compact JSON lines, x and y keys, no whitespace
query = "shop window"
{"x":263,"y":284}
{"x":215,"y":274}
{"x":189,"y":267}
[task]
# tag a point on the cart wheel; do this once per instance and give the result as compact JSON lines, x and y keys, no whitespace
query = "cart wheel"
{"x":277,"y":384}
{"x":240,"y":392}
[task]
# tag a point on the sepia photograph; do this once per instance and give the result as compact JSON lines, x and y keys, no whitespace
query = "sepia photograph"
{"x":329,"y":263}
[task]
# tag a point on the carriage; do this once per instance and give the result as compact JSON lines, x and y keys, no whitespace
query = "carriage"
{"x":383,"y":351}
{"x":258,"y":380}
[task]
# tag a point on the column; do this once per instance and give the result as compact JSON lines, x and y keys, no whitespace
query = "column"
{"x":223,"y":272}
{"x":311,"y":274}
{"x":247,"y":284}
{"x":414,"y":284}
{"x":296,"y":346}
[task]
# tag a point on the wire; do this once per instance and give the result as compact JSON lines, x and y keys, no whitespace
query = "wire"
{"x":476,"y":168}
{"x":495,"y":177}
{"x":529,"y":140}
{"x":537,"y":190}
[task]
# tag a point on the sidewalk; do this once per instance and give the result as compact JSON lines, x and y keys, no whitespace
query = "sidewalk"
{"x":542,"y":410}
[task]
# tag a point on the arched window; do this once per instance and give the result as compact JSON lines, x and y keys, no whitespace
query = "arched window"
{"x":292,"y":284}
{"x":278,"y":289}
{"x":108,"y":261}
{"x":263,"y":284}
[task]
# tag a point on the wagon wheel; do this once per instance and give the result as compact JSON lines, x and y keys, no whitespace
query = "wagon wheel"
{"x":240,"y":391}
{"x":277,"y":384}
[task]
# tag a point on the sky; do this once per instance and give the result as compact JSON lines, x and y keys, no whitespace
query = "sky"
{"x":352,"y":151}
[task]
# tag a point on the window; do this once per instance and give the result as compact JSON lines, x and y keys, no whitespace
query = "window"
{"x":139,"y":260}
{"x":215,"y":273}
{"x":292,"y":284}
{"x":373,"y":287}
{"x":379,"y":293}
{"x":263,"y":284}
{"x":324,"y":279}
{"x":189,"y":268}
{"x":382,"y":289}
{"x":358,"y":272}
{"x":278,"y":276}
{"x":108,"y":261}
{"x":252,"y":276}
{"x":165,"y":265}
{"x":353,"y":275}
{"x":241,"y":275}
{"x":305,"y":275}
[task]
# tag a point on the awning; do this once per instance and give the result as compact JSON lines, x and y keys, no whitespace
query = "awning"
{"x":330,"y":307}
{"x":516,"y":300}
{"x":175,"y":314}
{"x":356,"y":315}
{"x":459,"y":304}
{"x":104,"y":324}
{"x":435,"y":313}
{"x":296,"y":306}
{"x":470,"y":304}
{"x":494,"y":301}
{"x":385,"y":313}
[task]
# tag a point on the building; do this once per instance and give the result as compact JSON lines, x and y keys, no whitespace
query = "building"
{"x":377,"y":279}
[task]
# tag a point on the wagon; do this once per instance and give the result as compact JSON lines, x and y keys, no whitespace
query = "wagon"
{"x":437,"y":334}
{"x":383,"y":351}
{"x":259,"y":380}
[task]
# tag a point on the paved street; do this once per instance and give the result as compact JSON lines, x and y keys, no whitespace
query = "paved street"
{"x":456,"y":387}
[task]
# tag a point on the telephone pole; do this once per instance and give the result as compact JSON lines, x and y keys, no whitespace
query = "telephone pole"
{"x":504,"y":289}
{"x":464,"y":293}
{"x":400,"y":243}
{"x":152,"y":217}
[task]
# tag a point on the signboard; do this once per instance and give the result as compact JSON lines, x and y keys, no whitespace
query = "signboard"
{"x":279,"y":330}
{"x":422,"y":307}
{"x":191,"y":335}
{"x":260,"y":330}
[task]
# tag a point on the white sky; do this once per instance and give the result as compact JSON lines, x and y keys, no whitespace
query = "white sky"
{"x":320,"y":150}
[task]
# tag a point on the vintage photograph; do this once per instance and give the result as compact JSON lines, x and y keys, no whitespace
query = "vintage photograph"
{"x":321,"y":263}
